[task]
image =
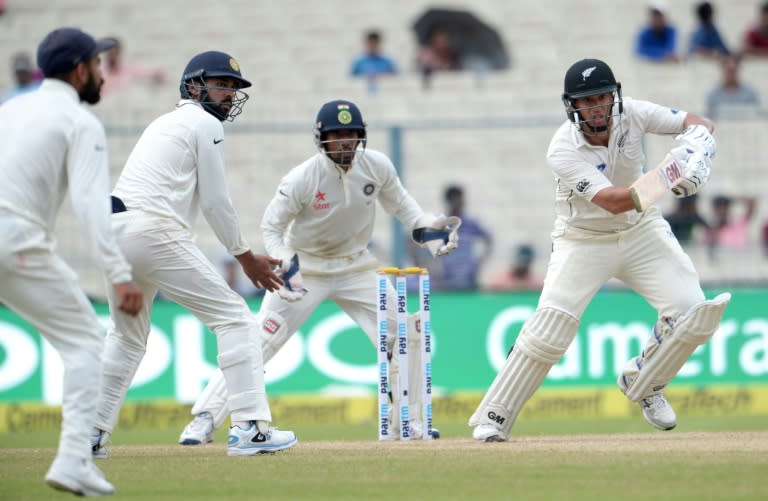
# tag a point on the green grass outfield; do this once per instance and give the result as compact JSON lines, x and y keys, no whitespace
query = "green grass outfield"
{"x":704,"y":458}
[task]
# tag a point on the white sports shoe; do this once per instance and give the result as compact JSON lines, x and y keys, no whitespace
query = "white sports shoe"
{"x":199,"y":431}
{"x":251,"y":441}
{"x":488,"y":433}
{"x":78,"y":476}
{"x":658,"y":412}
{"x":99,"y":440}
{"x":656,"y":409}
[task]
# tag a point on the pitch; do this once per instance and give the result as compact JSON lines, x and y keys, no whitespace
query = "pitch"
{"x":655,"y":465}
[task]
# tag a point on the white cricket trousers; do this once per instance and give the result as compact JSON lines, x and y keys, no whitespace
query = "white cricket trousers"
{"x":353,"y":291}
{"x":41,"y":288}
{"x":165,"y":258}
{"x":646,"y":257}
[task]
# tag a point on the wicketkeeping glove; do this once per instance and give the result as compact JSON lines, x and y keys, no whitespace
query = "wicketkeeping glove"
{"x":699,"y":138}
{"x":441,"y":237}
{"x":293,"y":285}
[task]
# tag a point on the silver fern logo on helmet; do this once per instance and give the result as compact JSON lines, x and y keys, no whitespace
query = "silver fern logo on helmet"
{"x":585,"y":74}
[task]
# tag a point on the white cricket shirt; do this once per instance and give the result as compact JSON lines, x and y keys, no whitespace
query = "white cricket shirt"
{"x":50,"y":142}
{"x":176,"y":170}
{"x":582,"y":170}
{"x":327,"y":214}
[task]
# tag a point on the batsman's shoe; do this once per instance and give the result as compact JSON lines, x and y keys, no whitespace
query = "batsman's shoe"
{"x":656,"y":409}
{"x":658,"y":412}
{"x":199,"y":431}
{"x":488,"y":433}
{"x":251,"y":441}
{"x":78,"y":476}
{"x":99,"y":440}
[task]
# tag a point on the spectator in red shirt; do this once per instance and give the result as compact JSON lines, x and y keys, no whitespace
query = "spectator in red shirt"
{"x":756,"y":39}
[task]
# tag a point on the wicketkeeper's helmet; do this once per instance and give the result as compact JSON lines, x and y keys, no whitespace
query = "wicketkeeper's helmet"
{"x":339,"y":115}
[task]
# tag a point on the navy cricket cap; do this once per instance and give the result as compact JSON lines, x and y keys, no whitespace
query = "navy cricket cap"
{"x":64,"y":48}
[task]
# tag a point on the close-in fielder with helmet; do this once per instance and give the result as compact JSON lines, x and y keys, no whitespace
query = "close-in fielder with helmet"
{"x":323,"y":211}
{"x":598,"y":235}
{"x":175,"y":171}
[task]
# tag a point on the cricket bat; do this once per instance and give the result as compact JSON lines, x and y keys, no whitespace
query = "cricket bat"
{"x":655,"y":183}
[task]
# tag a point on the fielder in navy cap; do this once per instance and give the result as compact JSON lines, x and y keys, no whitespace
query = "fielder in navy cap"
{"x":63,"y":51}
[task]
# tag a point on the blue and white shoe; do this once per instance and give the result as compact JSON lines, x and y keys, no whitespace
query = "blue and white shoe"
{"x":99,"y":439}
{"x":199,"y":431}
{"x":251,"y":441}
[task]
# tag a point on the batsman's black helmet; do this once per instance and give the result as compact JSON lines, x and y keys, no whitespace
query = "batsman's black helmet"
{"x":589,"y":77}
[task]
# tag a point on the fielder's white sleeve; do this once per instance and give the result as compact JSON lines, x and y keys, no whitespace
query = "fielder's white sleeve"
{"x":214,"y":199}
{"x":394,"y":198}
{"x":280,"y":212}
{"x":88,"y":173}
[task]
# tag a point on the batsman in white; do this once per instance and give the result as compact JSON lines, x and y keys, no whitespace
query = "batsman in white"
{"x":323,"y":213}
{"x":595,"y":155}
{"x":176,"y":170}
{"x":49,"y":142}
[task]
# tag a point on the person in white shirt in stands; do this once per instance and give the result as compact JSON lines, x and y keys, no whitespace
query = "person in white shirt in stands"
{"x":175,"y":171}
{"x":323,"y":212}
{"x":49,"y":143}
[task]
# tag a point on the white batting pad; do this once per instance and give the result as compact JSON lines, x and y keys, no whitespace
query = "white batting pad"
{"x":543,"y":340}
{"x":659,"y":365}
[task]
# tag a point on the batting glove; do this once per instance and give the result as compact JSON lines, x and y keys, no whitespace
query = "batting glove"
{"x":696,"y":170}
{"x":441,"y":237}
{"x":293,"y":285}
{"x":699,"y":138}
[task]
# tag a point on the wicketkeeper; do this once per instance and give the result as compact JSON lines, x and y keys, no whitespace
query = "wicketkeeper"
{"x":598,"y":235}
{"x":322,"y":217}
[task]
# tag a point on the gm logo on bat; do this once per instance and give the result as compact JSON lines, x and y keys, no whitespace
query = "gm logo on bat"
{"x":672,"y":173}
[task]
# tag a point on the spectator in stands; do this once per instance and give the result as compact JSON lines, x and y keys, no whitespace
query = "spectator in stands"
{"x":706,"y":40}
{"x":685,"y":219}
{"x":26,"y":76}
{"x":658,"y":40}
{"x":459,"y":270}
{"x":732,"y":92}
{"x":756,"y":38}
{"x":726,"y":231}
{"x":121,"y":76}
{"x":372,"y":62}
{"x":438,"y":54}
{"x":519,"y":275}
